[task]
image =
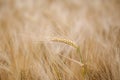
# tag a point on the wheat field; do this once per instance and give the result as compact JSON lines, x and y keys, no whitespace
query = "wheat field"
{"x":59,"y":39}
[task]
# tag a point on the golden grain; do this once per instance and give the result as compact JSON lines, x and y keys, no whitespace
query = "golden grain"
{"x":66,"y":41}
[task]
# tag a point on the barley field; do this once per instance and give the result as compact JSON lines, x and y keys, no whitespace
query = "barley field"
{"x":59,"y":39}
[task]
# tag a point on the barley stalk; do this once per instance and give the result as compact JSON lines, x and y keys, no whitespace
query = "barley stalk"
{"x":71,"y":43}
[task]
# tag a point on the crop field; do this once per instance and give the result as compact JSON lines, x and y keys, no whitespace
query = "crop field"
{"x":59,"y":39}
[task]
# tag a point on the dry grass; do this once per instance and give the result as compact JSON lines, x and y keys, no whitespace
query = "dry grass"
{"x":92,"y":28}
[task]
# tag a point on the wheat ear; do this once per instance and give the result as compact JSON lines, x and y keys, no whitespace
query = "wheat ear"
{"x":68,"y":42}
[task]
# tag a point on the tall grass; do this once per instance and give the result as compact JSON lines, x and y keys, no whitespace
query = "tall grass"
{"x":34,"y":34}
